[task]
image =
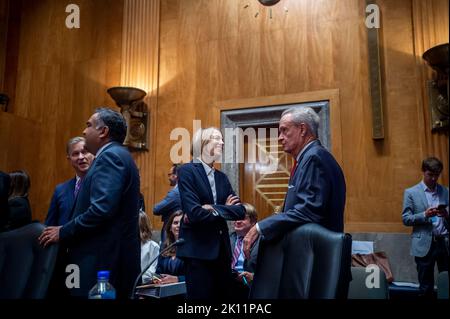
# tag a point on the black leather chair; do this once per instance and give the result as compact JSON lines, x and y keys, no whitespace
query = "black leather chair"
{"x":310,"y":262}
{"x":25,"y":266}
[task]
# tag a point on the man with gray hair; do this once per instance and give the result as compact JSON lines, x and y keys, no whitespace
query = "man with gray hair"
{"x":316,"y":191}
{"x":65,"y":193}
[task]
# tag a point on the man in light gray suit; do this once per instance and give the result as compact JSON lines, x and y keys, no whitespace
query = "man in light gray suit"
{"x":425,"y":208}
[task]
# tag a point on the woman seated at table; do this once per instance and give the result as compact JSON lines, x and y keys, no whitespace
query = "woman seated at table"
{"x":170,"y":268}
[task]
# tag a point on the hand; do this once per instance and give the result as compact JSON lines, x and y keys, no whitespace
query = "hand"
{"x":166,"y":279}
{"x":208,"y":207}
{"x":50,"y":235}
{"x":430,"y":212}
{"x":249,"y":239}
{"x":247,"y":275}
{"x":233,"y":200}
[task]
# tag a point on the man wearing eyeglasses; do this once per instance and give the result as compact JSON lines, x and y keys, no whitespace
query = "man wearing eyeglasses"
{"x":171,"y":203}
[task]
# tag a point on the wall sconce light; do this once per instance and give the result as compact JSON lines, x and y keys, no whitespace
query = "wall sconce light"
{"x":4,"y":100}
{"x":268,"y":3}
{"x":438,"y":88}
{"x":134,"y":110}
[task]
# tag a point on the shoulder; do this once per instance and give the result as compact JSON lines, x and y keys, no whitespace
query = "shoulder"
{"x":414,"y":189}
{"x":65,"y":184}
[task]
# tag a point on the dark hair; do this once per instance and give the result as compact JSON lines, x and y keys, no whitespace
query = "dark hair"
{"x":432,"y":164}
{"x":170,"y":238}
{"x":175,"y":168}
{"x":114,"y":121}
{"x":20,"y":184}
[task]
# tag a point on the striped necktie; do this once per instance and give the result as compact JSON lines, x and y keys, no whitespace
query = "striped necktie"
{"x":237,"y":251}
{"x":77,"y":187}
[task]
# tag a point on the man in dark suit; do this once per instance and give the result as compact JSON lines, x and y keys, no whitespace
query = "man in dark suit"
{"x":208,"y":201}
{"x":103,"y":233}
{"x":61,"y":206}
{"x":425,"y":209}
{"x":316,"y":190}
{"x":64,"y":195}
{"x":171,"y":203}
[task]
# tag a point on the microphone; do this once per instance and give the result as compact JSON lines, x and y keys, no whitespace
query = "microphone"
{"x":178,"y":242}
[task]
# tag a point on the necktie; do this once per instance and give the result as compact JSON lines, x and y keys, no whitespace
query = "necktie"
{"x":293,"y":168}
{"x":237,"y":251}
{"x":77,"y":187}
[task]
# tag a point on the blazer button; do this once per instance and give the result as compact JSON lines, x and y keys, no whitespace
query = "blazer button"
{"x":220,"y":232}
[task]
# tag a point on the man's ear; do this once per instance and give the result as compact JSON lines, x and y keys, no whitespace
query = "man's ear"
{"x":104,"y":132}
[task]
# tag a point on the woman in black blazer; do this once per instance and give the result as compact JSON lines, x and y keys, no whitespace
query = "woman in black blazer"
{"x":208,"y":201}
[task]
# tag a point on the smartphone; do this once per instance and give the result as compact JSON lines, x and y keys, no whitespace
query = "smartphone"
{"x":442,"y":206}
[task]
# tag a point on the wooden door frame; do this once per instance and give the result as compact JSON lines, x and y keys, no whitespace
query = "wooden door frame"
{"x":332,"y":96}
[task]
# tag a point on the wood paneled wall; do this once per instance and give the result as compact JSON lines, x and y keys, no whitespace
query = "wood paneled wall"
{"x":62,"y":75}
{"x":218,"y":50}
{"x":139,"y":68}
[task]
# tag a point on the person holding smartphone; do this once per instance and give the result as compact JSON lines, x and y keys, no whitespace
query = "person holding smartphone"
{"x":425,"y":208}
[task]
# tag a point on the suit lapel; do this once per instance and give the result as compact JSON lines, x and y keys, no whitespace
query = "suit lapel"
{"x":422,"y":195}
{"x":298,"y":169}
{"x":202,"y":173}
{"x":69,"y":193}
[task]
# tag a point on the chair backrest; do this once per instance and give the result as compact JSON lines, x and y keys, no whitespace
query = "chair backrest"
{"x":442,"y":285}
{"x":25,"y":266}
{"x":320,"y":260}
{"x":362,"y":287}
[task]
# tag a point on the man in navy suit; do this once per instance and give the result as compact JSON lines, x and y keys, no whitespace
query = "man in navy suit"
{"x":61,"y":206}
{"x":208,"y":201}
{"x":171,"y":203}
{"x":103,"y":233}
{"x":64,"y":195}
{"x":316,"y":190}
{"x":425,"y":208}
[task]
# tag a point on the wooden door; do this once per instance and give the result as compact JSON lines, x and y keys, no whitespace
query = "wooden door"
{"x":260,"y":185}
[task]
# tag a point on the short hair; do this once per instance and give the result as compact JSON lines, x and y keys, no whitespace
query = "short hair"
{"x":432,"y":164}
{"x":145,"y":227}
{"x":20,"y":184}
{"x":176,"y":168}
{"x":201,"y":138}
{"x":250,"y":211}
{"x":73,"y":141}
{"x":304,"y":115}
{"x":114,"y":121}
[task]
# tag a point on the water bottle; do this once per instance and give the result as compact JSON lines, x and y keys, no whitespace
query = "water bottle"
{"x":102,"y":289}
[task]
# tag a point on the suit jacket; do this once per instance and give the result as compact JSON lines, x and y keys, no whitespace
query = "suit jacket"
{"x":316,"y":194}
{"x":205,"y":233}
{"x":414,"y":206}
{"x":249,"y":264}
{"x":104,"y":233}
{"x":168,"y":205}
{"x":19,"y":212}
{"x":61,"y":204}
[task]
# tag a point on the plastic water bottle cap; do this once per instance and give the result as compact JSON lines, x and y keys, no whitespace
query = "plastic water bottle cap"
{"x":103,"y":274}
